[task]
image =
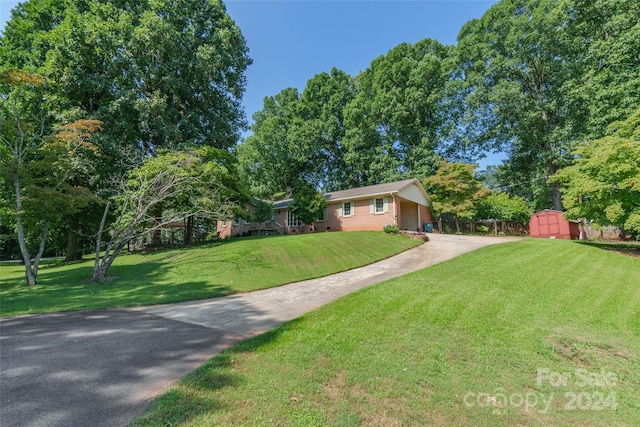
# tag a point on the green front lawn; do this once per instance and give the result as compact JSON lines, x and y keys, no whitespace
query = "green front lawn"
{"x":212,"y":270}
{"x":536,"y":332}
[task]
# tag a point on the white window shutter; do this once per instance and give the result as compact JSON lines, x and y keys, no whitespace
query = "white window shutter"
{"x":372,"y":206}
{"x":386,"y":204}
{"x":340,"y":209}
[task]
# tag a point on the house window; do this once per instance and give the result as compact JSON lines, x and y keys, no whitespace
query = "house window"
{"x":347,"y":209}
{"x":324,"y":215}
{"x":380,"y":205}
{"x":292,"y":221}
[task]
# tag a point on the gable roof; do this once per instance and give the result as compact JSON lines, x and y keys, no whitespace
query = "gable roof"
{"x":391,"y":188}
{"x":371,"y":190}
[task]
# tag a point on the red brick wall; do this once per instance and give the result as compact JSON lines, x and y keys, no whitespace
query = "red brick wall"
{"x":425,"y":214}
{"x":361,"y":220}
{"x":227,"y":229}
{"x":224,"y":229}
{"x":231,"y":229}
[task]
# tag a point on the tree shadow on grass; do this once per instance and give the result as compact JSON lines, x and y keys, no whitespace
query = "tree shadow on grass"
{"x":631,"y":249}
{"x":198,"y":393}
{"x":130,"y":286}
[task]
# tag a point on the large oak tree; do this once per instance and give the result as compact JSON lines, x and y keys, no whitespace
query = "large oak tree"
{"x":158,"y":74}
{"x":520,"y":68}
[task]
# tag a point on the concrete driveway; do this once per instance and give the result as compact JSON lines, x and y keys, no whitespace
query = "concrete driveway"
{"x":102,"y":368}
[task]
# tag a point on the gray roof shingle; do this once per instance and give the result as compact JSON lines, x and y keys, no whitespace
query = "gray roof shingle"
{"x":370,"y":190}
{"x":358,"y":192}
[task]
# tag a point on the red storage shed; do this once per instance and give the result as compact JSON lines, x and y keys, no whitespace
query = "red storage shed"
{"x":550,"y":223}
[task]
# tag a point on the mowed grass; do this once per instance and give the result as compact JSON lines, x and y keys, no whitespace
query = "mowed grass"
{"x":535,"y":333}
{"x":213,"y":270}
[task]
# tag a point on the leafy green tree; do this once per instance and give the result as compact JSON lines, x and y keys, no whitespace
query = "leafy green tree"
{"x":530,"y":185}
{"x":307,"y":204}
{"x":501,"y":206}
{"x":273,"y":159}
{"x":159,"y":74}
{"x":66,"y":163}
{"x":610,"y":33}
{"x":539,"y":76}
{"x":24,"y":43}
{"x":322,"y":107}
{"x":221,"y":168}
{"x":187,"y":184}
{"x":24,"y":124}
{"x":398,"y":121}
{"x":455,"y":190}
{"x":42,"y":167}
{"x":521,"y":69}
{"x":603,"y":182}
{"x":299,"y":137}
{"x":341,"y":132}
{"x":263,"y":212}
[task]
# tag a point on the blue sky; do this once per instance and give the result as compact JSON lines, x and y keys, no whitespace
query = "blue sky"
{"x":291,"y":41}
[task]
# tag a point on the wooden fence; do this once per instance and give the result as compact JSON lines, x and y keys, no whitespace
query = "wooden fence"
{"x":482,"y":227}
{"x":609,"y":233}
{"x":602,"y":233}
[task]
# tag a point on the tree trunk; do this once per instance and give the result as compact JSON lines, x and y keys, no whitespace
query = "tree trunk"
{"x":22,"y":241}
{"x":26,"y":257}
{"x":557,"y":200}
{"x":98,"y":270}
{"x":553,"y":168}
{"x":36,"y":261}
{"x":73,"y":252}
{"x":156,"y":234}
{"x":99,"y":274}
{"x":555,"y":187}
{"x":457,"y":224}
{"x":188,"y":230}
{"x":101,"y":264}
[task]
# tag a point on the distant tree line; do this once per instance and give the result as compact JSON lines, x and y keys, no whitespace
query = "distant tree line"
{"x":532,"y":79}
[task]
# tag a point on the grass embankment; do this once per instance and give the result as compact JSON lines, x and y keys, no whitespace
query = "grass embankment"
{"x":537,"y":332}
{"x":239,"y":265}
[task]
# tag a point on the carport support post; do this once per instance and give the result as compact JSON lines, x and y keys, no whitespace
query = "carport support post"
{"x":395,"y":209}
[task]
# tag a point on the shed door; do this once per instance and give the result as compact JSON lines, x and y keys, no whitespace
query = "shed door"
{"x":549,"y":225}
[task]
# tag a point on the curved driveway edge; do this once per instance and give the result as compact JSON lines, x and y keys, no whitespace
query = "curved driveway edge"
{"x":102,"y":368}
{"x":256,"y":312}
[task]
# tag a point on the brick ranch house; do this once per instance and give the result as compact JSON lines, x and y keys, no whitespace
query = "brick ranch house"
{"x":402,"y":203}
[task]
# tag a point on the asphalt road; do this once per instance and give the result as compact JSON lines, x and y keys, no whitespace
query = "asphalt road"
{"x":103,"y":368}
